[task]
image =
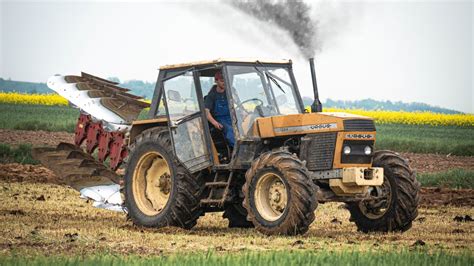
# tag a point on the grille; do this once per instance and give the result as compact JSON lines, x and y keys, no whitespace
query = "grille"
{"x":318,"y":150}
{"x":359,"y":125}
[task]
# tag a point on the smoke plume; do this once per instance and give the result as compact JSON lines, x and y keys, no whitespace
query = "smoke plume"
{"x":292,"y":16}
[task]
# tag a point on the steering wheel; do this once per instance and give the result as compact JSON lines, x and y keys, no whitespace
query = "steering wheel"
{"x":241,"y":105}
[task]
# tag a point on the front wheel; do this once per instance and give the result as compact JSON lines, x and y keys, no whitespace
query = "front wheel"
{"x":392,"y":206}
{"x":279,"y":194}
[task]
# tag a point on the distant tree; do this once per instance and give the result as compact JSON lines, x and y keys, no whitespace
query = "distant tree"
{"x":114,"y":79}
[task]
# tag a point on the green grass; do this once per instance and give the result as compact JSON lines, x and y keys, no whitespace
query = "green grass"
{"x":254,"y":258}
{"x":456,"y":178}
{"x":401,"y":138}
{"x":38,"y":117}
{"x":20,"y":154}
{"x":426,"y":139}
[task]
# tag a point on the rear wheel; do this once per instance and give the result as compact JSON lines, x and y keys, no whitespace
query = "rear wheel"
{"x":392,"y":206}
{"x":279,"y":195}
{"x":158,"y":190}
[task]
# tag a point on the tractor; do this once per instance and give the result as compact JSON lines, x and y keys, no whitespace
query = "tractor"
{"x":174,"y":166}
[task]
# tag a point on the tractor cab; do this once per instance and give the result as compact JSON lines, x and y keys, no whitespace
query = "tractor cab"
{"x":253,"y":89}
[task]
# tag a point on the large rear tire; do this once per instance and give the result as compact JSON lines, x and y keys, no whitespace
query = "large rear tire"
{"x":398,"y":197}
{"x":279,"y":194}
{"x":158,"y":190}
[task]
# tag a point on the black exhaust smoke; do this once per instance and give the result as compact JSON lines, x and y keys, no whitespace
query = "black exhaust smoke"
{"x":290,"y":15}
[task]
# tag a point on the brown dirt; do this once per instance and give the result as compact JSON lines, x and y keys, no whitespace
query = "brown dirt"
{"x":428,"y":163}
{"x":445,"y":196}
{"x":47,"y":219}
{"x":35,"y":138}
{"x":14,"y":173}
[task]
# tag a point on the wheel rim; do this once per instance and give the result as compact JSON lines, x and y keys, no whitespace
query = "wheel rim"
{"x":271,"y":196}
{"x":379,"y":202}
{"x":151,"y":183}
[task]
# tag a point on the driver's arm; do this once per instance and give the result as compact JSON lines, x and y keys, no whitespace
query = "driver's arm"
{"x":212,"y":120}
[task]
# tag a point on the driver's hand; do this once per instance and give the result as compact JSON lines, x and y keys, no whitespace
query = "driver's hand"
{"x":218,"y":125}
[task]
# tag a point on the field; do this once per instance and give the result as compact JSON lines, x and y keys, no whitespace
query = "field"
{"x":44,"y":219}
{"x":455,"y":140}
{"x":47,"y":223}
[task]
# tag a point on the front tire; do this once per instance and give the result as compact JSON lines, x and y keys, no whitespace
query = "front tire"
{"x":279,"y":194}
{"x":158,"y":190}
{"x":398,"y":197}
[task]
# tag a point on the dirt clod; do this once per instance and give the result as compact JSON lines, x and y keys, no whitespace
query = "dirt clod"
{"x":298,"y":242}
{"x":460,"y":218}
{"x":71,"y":237}
{"x":41,"y":198}
{"x":418,"y":243}
{"x":17,"y":212}
{"x":421,"y":219}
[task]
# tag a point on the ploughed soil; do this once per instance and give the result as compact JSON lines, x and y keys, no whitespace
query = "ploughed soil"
{"x":37,"y":174}
{"x":36,"y":138}
{"x":422,"y":163}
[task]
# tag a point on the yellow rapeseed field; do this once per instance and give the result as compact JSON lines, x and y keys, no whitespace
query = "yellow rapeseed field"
{"x":42,"y":99}
{"x":381,"y":117}
{"x":412,"y":118}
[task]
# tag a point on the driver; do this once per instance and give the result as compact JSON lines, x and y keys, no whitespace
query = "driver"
{"x":217,"y":109}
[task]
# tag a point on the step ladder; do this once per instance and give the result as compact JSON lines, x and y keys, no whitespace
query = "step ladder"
{"x":218,"y":189}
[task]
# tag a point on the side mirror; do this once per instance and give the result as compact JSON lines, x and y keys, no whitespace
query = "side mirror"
{"x":174,"y":96}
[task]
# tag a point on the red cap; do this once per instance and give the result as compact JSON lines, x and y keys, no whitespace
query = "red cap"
{"x":218,"y":76}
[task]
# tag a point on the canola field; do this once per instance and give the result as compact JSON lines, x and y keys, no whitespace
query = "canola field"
{"x":380,"y":116}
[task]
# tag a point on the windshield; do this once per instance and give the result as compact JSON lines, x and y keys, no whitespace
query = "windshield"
{"x":260,"y":91}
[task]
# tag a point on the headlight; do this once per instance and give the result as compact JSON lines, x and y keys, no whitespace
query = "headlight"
{"x":346,"y":150}
{"x":368,"y":150}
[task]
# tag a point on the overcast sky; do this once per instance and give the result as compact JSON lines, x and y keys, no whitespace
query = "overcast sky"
{"x":408,"y":51}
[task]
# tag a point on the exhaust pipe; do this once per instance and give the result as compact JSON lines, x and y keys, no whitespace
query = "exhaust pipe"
{"x":316,"y":106}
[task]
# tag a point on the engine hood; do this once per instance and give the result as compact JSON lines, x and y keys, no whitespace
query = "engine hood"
{"x":298,"y":124}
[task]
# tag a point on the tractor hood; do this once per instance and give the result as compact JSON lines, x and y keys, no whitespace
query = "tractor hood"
{"x":298,"y":124}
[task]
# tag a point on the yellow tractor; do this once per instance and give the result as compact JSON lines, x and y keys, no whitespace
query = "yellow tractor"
{"x":283,"y":160}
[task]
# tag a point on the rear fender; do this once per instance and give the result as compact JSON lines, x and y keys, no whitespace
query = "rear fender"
{"x":141,"y":125}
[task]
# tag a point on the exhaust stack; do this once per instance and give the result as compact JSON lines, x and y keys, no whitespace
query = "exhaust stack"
{"x":316,"y":106}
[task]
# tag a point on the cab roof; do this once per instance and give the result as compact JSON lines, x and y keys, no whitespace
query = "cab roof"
{"x":225,"y":60}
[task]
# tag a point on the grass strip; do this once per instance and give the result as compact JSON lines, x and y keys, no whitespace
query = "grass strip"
{"x":426,"y":139}
{"x":253,"y":258}
{"x":455,"y":178}
{"x":38,"y":117}
{"x":20,"y":154}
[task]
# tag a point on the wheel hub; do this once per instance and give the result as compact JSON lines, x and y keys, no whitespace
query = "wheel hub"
{"x":152,"y":183}
{"x":277,"y":202}
{"x":271,"y":196}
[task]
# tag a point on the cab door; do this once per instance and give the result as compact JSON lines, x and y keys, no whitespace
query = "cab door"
{"x":183,"y":103}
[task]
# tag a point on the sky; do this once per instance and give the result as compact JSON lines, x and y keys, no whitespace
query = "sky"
{"x":391,"y":50}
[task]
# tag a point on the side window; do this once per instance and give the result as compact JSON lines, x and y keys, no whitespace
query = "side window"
{"x":206,"y":84}
{"x":181,"y":96}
